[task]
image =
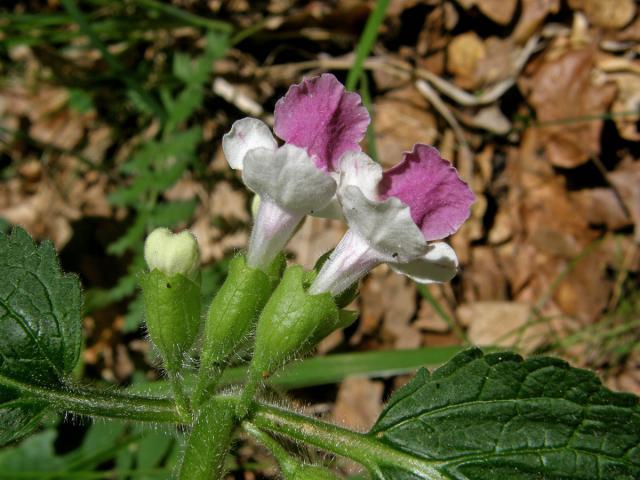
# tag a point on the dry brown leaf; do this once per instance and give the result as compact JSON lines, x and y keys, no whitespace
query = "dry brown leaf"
{"x":430,"y":320}
{"x":399,"y":306}
{"x":464,"y":54}
{"x":401,"y":120}
{"x":519,"y":263}
{"x":228,"y":203}
{"x":601,"y":206}
{"x":612,"y":14}
{"x":584,"y":291}
{"x":315,"y":238}
{"x":492,"y":120}
{"x":500,"y":62}
{"x":532,"y":17}
{"x":483,"y":277}
{"x":500,"y":11}
{"x":502,"y":229}
{"x":388,"y":299}
{"x":563,"y":92}
{"x":99,"y":139}
{"x":631,"y":33}
{"x":502,"y":324}
{"x":626,"y":179}
{"x":359,"y":403}
{"x":627,"y":101}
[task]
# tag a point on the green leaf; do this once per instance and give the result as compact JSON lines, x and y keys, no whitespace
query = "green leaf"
{"x":40,"y":312}
{"x":497,"y":416}
{"x":18,"y":417}
{"x":184,"y":106}
{"x":35,"y":454}
{"x":169,"y":214}
{"x":80,"y":101}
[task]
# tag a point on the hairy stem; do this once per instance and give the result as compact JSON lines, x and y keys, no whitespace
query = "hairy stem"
{"x":362,"y":448}
{"x":182,"y":401}
{"x":285,"y":461}
{"x":100,"y":403}
{"x":209,"y":441}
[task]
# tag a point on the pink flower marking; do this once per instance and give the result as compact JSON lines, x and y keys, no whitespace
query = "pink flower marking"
{"x":320,"y":116}
{"x":439,"y":201}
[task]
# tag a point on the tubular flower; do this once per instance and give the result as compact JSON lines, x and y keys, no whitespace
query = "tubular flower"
{"x":396,"y":217}
{"x":319,"y":121}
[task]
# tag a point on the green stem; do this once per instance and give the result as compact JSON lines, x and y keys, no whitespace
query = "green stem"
{"x":84,"y":401}
{"x":365,"y":44}
{"x":287,"y":465}
{"x":362,"y":448}
{"x":209,"y":440}
{"x":208,"y":379}
{"x":218,"y":414}
{"x":182,"y":401}
{"x":365,"y":93}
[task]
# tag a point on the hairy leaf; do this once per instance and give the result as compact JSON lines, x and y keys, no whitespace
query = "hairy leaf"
{"x":40,"y":320}
{"x":497,"y":416}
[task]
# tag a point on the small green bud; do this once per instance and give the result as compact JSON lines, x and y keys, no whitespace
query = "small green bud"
{"x":233,"y":314}
{"x":171,"y":293}
{"x":290,"y":323}
{"x":172,"y":253}
{"x":172,"y":313}
{"x":289,"y":320}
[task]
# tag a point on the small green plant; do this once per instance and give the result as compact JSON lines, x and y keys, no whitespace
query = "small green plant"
{"x":156,"y":165}
{"x":479,"y":416}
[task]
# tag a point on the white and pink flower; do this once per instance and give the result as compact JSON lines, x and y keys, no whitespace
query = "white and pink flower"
{"x":319,"y":121}
{"x":396,"y":217}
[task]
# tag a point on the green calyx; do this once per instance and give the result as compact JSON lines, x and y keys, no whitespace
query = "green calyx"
{"x":292,"y":322}
{"x":173,"y":306}
{"x":233,"y":314}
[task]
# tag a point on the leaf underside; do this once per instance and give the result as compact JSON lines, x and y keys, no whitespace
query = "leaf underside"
{"x":497,"y":416}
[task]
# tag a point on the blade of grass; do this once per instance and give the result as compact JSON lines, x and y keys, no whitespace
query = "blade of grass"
{"x":330,"y":369}
{"x":187,"y":17}
{"x":365,"y":93}
{"x":365,"y":44}
{"x":114,"y":64}
{"x":440,"y":311}
{"x":335,"y":368}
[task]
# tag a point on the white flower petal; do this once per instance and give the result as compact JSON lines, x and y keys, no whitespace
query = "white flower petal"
{"x":358,"y":170}
{"x":246,"y":134}
{"x":438,"y":265}
{"x":332,"y":210}
{"x":387,"y":226}
{"x":352,"y":258}
{"x":272,"y":229}
{"x":289,"y":177}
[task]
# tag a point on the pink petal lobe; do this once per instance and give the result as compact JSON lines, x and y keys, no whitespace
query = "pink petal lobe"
{"x":320,"y":116}
{"x":437,"y":197}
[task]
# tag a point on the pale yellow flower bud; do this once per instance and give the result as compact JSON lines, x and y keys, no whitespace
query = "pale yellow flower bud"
{"x":172,"y":253}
